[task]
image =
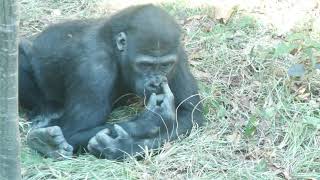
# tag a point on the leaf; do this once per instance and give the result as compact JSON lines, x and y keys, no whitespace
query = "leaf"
{"x":246,"y":22}
{"x":223,"y":10}
{"x":251,"y":126}
{"x":280,"y":171}
{"x":296,"y":36}
{"x":284,"y":48}
{"x":313,"y":121}
{"x":303,"y":97}
{"x":262,"y":166}
{"x":308,"y":51}
{"x":295,"y":51}
{"x":312,"y":43}
{"x":235,"y":137}
{"x":296,"y":70}
{"x":269,"y":112}
{"x":221,"y":111}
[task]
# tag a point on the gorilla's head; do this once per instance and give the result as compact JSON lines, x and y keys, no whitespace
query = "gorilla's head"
{"x":149,"y":50}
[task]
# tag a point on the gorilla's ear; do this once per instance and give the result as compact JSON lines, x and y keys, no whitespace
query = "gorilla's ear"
{"x":121,"y":40}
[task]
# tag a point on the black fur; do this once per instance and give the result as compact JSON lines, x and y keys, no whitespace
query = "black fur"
{"x":74,"y":69}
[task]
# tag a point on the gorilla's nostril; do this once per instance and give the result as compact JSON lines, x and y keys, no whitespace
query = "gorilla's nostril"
{"x":153,"y":85}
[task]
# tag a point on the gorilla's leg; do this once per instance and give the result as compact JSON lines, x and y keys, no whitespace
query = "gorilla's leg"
{"x":30,"y":96}
{"x":47,"y":140}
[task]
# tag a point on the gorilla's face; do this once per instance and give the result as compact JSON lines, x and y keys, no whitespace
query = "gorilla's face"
{"x":147,"y":62}
{"x":150,"y":72}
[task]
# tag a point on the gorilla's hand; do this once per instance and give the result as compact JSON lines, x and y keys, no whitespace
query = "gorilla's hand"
{"x":103,"y":145}
{"x":150,"y":130}
{"x":163,"y":104}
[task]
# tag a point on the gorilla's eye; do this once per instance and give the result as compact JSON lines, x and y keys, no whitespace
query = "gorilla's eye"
{"x":166,"y":66}
{"x":145,"y":65}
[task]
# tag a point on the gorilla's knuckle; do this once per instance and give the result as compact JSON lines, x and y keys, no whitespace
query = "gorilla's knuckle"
{"x":90,"y":147}
{"x":102,"y":137}
{"x":93,"y":142}
{"x":54,"y":128}
{"x":121,"y":132}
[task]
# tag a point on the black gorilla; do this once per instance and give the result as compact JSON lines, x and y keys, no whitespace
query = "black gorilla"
{"x":71,"y":73}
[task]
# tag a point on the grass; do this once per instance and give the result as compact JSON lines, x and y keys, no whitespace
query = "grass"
{"x":261,"y":123}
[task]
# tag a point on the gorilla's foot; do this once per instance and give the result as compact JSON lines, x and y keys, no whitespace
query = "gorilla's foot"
{"x":50,"y":142}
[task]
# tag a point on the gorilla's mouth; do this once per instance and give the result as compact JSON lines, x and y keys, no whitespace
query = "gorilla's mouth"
{"x":153,"y":89}
{"x":147,"y":92}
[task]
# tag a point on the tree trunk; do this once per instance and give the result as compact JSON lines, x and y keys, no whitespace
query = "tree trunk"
{"x":9,"y":129}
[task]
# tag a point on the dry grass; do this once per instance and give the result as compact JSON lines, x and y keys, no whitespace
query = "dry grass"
{"x":262,"y":124}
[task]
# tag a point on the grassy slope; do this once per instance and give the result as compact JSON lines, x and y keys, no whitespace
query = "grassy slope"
{"x":261,"y":123}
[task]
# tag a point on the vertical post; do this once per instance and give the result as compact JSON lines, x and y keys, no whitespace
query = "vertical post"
{"x":9,"y":127}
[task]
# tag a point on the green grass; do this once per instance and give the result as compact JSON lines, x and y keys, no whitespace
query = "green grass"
{"x":261,"y":124}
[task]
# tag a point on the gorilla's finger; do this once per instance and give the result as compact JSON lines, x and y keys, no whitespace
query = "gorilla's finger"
{"x":64,"y":153}
{"x":93,"y":143}
{"x":105,"y":131}
{"x":54,"y":131}
{"x":104,"y":139}
{"x":68,"y":148}
{"x":166,"y":89}
{"x":168,"y":101}
{"x":152,"y":101}
{"x":167,"y":104}
{"x":160,"y":97}
{"x":58,"y":139}
{"x":120,"y":131}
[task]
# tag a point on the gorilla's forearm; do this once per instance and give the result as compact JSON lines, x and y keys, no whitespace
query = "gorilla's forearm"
{"x":147,"y":124}
{"x":145,"y":131}
{"x":150,"y":125}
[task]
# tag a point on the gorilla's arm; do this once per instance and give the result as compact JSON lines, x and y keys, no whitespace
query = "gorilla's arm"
{"x":157,"y":124}
{"x":186,"y":106}
{"x":187,"y":98}
{"x":88,"y":102}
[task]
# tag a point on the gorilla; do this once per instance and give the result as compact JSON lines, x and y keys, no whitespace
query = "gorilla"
{"x":71,"y":74}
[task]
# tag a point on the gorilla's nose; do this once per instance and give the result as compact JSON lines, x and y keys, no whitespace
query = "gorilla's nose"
{"x":154,"y":84}
{"x":154,"y":87}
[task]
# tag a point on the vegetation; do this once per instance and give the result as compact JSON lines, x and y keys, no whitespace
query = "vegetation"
{"x":262,"y":123}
